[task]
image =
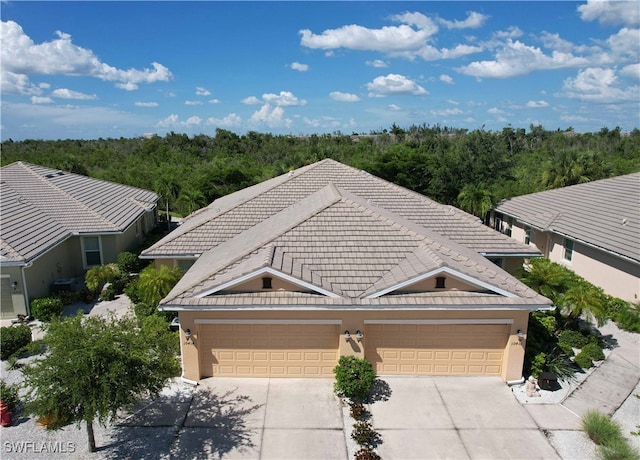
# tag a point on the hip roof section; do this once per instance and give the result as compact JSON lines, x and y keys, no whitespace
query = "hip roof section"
{"x":231,"y":215}
{"x":603,"y":213}
{"x":42,"y":207}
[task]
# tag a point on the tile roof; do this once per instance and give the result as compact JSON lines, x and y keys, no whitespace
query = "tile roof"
{"x":603,"y":213}
{"x":344,"y":244}
{"x":40,"y":207}
{"x":229,"y":216}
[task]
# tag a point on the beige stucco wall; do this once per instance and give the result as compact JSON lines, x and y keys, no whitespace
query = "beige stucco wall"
{"x":354,"y":320}
{"x":617,"y":277}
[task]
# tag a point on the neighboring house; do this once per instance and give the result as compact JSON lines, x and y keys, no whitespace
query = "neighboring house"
{"x":328,"y":260}
{"x":591,"y":228}
{"x":54,"y":225}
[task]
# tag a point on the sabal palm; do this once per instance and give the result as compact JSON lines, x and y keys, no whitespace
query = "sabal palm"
{"x":476,"y":199}
{"x":154,"y":284}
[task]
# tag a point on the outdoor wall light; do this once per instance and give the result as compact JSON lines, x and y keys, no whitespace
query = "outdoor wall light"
{"x":520,"y":334}
{"x":347,"y":336}
{"x":14,"y":285}
{"x":187,"y":335}
{"x":359,"y":335}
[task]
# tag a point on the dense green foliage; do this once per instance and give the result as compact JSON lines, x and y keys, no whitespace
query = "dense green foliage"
{"x":97,"y":366}
{"x":47,"y":308}
{"x":354,"y":377}
{"x":13,"y":338}
{"x":9,"y":395}
{"x":470,"y":169}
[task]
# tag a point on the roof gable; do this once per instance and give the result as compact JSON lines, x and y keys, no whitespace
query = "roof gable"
{"x":335,"y":245}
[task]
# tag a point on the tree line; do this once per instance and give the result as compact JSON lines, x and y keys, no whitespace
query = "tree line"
{"x":472,"y":170}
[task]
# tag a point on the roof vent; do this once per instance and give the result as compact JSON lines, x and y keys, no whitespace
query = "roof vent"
{"x":440,"y":280}
{"x":266,"y":283}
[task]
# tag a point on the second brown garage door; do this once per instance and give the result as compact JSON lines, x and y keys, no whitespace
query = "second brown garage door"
{"x":268,"y":350}
{"x":436,"y":349}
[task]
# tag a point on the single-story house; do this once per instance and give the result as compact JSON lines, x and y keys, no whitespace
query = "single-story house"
{"x":286,"y":276}
{"x":55,"y":225}
{"x":591,"y":228}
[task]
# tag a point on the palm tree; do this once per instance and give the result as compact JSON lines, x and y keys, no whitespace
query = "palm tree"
{"x":167,"y":187}
{"x":564,"y":169}
{"x":547,"y":278}
{"x":154,"y":284}
{"x":191,"y":200}
{"x":476,"y":199}
{"x":583,"y":299}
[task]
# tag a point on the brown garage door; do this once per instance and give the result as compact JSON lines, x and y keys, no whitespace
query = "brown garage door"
{"x":436,"y":349}
{"x":268,"y":350}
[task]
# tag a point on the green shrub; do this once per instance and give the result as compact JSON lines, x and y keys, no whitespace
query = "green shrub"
{"x":96,"y":277}
{"x":538,"y":364}
{"x":583,"y":360}
{"x":364,"y":434}
{"x":366,"y":453}
{"x":13,"y":338}
{"x":66,"y":297}
{"x":600,"y":427}
{"x":128,"y":262}
{"x":566,"y":349}
{"x":593,"y":351}
{"x":354,"y":377}
{"x":108,"y":293}
{"x":573,"y":339}
{"x":559,"y":363}
{"x":9,"y":394}
{"x":47,"y":308}
{"x":33,"y":348}
{"x":627,"y":317}
{"x":87,"y":295}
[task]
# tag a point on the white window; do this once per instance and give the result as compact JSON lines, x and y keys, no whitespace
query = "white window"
{"x":568,"y":250}
{"x":509,"y":229}
{"x":527,"y":235}
{"x":92,"y":250}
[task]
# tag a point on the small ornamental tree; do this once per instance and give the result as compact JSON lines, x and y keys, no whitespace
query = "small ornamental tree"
{"x":154,"y":284}
{"x":97,"y":366}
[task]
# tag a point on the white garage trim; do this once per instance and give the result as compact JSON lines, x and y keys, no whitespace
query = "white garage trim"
{"x":438,"y":321}
{"x":267,"y":321}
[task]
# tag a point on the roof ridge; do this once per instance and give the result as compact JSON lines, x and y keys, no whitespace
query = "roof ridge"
{"x":50,"y":185}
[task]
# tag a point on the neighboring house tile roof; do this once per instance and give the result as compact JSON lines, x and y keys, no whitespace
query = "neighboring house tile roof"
{"x":40,"y":207}
{"x":603,"y":213}
{"x":345,"y":250}
{"x":231,"y":215}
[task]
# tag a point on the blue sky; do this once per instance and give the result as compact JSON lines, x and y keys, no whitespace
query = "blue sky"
{"x":85,"y":70}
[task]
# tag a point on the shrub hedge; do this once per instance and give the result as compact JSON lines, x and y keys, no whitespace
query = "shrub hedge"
{"x":47,"y":308}
{"x":354,"y":377}
{"x":13,"y":338}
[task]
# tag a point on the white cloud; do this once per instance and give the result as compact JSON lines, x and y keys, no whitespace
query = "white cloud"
{"x":631,"y":70}
{"x":495,"y":110}
{"x":625,"y":43}
{"x":251,"y":100}
{"x":474,"y":20}
{"x":41,"y":100}
{"x":64,"y":93}
{"x":146,"y":104}
{"x":394,"y":84}
{"x":446,"y":112}
{"x":299,"y":67}
{"x":597,"y":84}
{"x":271,"y":117}
{"x":173,"y":121}
{"x":516,"y":58}
{"x":537,"y":104}
{"x":20,"y":55}
{"x":394,"y":107}
{"x":192,"y":102}
{"x":284,"y":99}
{"x":446,"y":79}
{"x":200,"y":91}
{"x":453,"y":102}
{"x":459,"y":51}
{"x":343,"y":97}
{"x":231,"y":120}
{"x":611,"y":12}
{"x":511,"y":32}
{"x":378,"y":63}
{"x":193,"y":121}
{"x":386,"y":39}
{"x":214,"y":101}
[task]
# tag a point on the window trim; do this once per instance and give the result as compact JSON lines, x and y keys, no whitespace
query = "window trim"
{"x":568,"y":246}
{"x":527,"y":235}
{"x":84,"y":251}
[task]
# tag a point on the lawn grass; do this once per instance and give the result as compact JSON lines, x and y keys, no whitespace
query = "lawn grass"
{"x":607,"y":434}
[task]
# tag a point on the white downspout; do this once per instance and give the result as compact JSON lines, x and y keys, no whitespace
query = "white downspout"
{"x":24,"y":288}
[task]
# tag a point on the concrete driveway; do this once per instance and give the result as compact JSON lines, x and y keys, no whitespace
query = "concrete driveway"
{"x":454,"y":417}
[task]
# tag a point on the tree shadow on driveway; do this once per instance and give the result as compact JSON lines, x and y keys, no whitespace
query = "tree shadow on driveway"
{"x":206,"y":426}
